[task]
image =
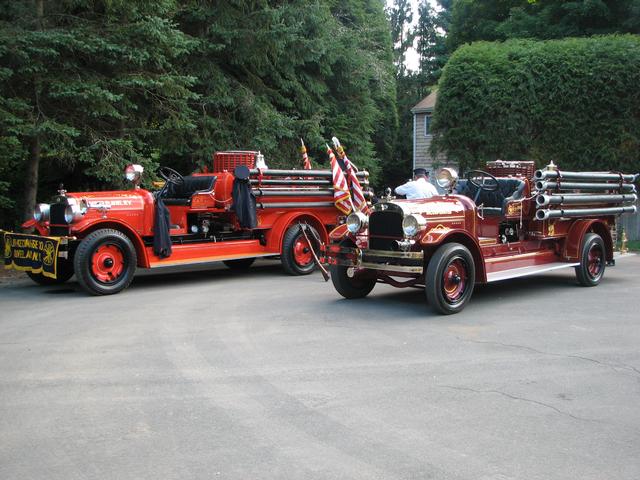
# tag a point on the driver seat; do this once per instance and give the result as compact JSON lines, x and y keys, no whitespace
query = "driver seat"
{"x":494,"y":203}
{"x":181,"y":194}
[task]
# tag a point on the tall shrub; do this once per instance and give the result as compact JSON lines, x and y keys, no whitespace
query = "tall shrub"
{"x":573,"y":101}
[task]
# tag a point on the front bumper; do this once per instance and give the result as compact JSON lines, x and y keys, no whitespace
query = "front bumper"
{"x":383,"y":260}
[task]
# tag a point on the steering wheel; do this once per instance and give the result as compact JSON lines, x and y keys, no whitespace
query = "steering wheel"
{"x":169,"y":175}
{"x":474,"y":175}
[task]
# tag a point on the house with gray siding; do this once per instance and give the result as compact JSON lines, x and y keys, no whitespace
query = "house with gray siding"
{"x":422,"y":136}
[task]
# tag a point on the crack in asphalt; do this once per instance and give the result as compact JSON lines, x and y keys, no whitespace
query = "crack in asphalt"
{"x":522,"y":399}
{"x":613,"y":366}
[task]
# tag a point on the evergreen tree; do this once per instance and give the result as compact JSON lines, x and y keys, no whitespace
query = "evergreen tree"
{"x":270,"y":72}
{"x":87,"y":87}
{"x":431,"y":32}
{"x":400,"y":16}
{"x":474,"y":20}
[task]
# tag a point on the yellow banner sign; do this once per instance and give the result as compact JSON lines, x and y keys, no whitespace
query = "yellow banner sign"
{"x":31,"y":253}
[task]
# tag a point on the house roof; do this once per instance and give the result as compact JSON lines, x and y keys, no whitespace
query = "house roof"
{"x":426,"y":104}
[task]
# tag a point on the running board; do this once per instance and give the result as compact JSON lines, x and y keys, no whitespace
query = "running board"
{"x":525,"y":271}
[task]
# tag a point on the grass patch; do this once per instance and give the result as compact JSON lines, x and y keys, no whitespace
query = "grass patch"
{"x":633,"y":245}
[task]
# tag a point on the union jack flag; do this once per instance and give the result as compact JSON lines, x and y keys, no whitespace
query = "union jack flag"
{"x":306,"y":163}
{"x":341,"y":194}
{"x":359,"y":202}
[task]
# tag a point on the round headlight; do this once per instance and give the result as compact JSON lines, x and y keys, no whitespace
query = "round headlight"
{"x":357,"y":221}
{"x":84,"y":206}
{"x":72,"y":213}
{"x":412,"y":224}
{"x":447,"y":178}
{"x":41,"y":212}
{"x":133,"y":173}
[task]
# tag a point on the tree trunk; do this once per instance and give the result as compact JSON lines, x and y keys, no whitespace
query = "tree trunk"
{"x":31,"y":178}
{"x":40,"y":13}
{"x":33,"y":162}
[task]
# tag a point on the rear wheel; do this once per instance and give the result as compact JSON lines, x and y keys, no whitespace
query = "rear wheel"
{"x":592,"y":261}
{"x":450,"y":278}
{"x":239,"y":264}
{"x":297,"y":257}
{"x":349,"y":282}
{"x":105,"y":262}
{"x":64,"y":271}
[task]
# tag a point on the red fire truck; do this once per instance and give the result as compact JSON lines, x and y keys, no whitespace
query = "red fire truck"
{"x":234,"y":215}
{"x":503,"y":222}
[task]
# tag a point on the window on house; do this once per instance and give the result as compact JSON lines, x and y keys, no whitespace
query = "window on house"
{"x":427,"y":124}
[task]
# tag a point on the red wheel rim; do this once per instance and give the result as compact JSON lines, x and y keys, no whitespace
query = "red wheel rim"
{"x":454,"y":280}
{"x":595,"y":260}
{"x":107,"y":263}
{"x":302,"y":251}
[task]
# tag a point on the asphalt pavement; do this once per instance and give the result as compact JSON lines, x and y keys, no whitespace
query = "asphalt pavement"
{"x":213,"y":374}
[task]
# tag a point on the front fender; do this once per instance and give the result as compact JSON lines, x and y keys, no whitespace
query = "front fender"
{"x":143,"y":258}
{"x":439,"y":235}
{"x":31,"y":223}
{"x":338,"y":233}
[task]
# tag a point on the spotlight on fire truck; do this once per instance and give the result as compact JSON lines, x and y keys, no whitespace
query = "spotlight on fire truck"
{"x":447,"y":178}
{"x":357,"y":221}
{"x":41,"y":212}
{"x":133,"y":173}
{"x":73,"y":212}
{"x":413,"y":224}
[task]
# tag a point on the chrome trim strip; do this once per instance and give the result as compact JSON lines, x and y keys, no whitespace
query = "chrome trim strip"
{"x":526,"y":271}
{"x":390,"y":268}
{"x":393,"y":254}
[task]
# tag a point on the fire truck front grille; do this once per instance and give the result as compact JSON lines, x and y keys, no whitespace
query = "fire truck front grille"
{"x":58,"y":225}
{"x":384,"y":229}
{"x":56,"y":214}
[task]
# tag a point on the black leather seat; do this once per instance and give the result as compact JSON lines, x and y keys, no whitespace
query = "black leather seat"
{"x":494,"y":203}
{"x":181,"y":194}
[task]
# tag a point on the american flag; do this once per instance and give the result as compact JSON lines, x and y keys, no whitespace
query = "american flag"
{"x":306,"y":163}
{"x":341,"y":194}
{"x":360,"y":203}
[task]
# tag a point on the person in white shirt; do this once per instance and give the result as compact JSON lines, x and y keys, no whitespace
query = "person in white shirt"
{"x":419,"y":187}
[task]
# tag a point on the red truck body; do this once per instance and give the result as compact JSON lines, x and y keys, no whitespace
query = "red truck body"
{"x":203,"y":226}
{"x":514,"y":223}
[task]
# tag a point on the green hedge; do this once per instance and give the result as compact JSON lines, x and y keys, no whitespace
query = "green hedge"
{"x":574,"y":101}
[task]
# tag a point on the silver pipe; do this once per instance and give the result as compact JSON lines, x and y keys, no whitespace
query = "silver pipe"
{"x":598,"y":176}
{"x":302,"y":173}
{"x":286,"y":183}
{"x":583,"y":212}
{"x":577,"y":199}
{"x":546,"y":185}
{"x":296,"y":205}
{"x":297,"y":192}
{"x":291,"y":182}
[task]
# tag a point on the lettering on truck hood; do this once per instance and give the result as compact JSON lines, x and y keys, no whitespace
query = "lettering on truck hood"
{"x":111,"y":200}
{"x":434,"y":207}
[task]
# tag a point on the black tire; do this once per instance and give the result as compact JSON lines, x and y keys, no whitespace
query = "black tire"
{"x":296,"y":257}
{"x":239,"y":264}
{"x":350,"y":286}
{"x":105,"y":262}
{"x":450,"y":278}
{"x":592,"y":260}
{"x":64,"y":273}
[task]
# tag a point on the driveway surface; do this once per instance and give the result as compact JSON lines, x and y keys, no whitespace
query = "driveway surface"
{"x":258,"y":375}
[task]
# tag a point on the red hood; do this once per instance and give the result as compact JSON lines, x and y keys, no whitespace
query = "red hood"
{"x":114,"y":200}
{"x":435,"y":206}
